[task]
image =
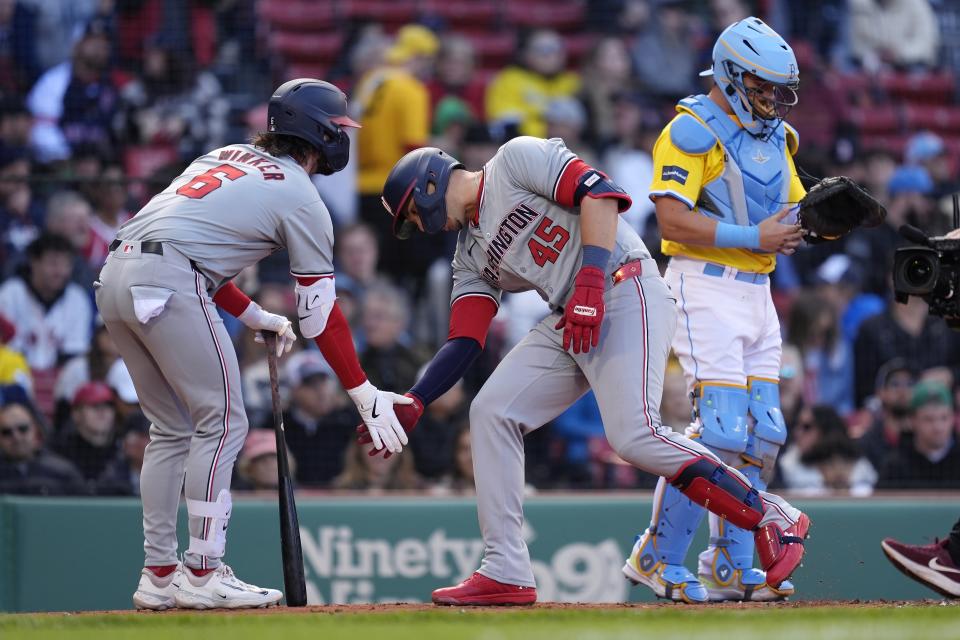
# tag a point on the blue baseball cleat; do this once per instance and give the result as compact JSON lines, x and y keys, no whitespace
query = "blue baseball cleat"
{"x":668,"y":581}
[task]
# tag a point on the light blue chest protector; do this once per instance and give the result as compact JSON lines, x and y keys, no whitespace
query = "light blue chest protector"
{"x":755,"y":182}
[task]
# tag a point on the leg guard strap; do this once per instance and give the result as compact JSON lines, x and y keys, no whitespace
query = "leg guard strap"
{"x":215,"y":543}
{"x":708,"y":484}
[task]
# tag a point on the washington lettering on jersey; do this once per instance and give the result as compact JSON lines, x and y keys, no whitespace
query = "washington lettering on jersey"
{"x":264,"y":165}
{"x":510,"y":227}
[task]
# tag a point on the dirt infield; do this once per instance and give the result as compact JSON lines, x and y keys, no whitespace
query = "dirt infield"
{"x":343,"y":609}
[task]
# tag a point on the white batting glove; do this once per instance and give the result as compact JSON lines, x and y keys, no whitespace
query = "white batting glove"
{"x":259,"y":320}
{"x":376,"y":410}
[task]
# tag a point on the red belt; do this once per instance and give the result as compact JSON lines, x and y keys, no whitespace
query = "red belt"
{"x":631,"y":269}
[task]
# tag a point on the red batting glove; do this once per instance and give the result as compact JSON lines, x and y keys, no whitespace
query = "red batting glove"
{"x":407,"y":414}
{"x":583,"y":314}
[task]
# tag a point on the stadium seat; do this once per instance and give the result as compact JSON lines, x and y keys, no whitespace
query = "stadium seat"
{"x":578,"y":48}
{"x":929,"y":88}
{"x":298,"y":15}
{"x":892,"y":143}
{"x":494,"y":49}
{"x":464,"y":14}
{"x":877,"y":119}
{"x":943,"y":119}
{"x":307,"y":47}
{"x":388,"y":12}
{"x":560,"y":15}
{"x":306,"y":70}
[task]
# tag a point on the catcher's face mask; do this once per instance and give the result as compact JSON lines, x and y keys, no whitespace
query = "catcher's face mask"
{"x":768,"y":100}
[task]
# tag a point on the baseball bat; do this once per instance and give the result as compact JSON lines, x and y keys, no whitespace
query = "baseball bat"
{"x":294,"y":581}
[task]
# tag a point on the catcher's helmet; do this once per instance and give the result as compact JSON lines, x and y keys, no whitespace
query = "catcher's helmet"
{"x":750,"y":46}
{"x":411,"y":178}
{"x":315,"y":111}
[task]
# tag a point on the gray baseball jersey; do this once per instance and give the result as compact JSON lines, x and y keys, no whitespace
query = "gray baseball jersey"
{"x":230,"y":208}
{"x":522,"y":238}
{"x":234,"y":206}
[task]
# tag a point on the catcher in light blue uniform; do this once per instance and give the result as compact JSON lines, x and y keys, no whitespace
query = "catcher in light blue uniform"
{"x":724,"y":180}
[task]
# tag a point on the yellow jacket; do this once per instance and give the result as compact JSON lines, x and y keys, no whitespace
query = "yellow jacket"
{"x":517,"y":92}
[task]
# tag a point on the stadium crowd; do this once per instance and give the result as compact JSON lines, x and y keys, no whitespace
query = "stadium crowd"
{"x":103,"y":102}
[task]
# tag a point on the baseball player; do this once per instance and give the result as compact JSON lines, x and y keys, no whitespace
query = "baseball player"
{"x":724,"y":180}
{"x":168,"y":268}
{"x":537,"y":217}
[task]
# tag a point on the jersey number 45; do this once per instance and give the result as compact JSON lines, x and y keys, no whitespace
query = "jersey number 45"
{"x":554,"y":239}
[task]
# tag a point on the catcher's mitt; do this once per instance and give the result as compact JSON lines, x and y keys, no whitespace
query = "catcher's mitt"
{"x":835,"y":206}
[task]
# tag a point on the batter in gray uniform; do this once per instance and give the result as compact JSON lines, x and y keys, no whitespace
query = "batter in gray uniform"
{"x":537,"y":217}
{"x":168,"y":269}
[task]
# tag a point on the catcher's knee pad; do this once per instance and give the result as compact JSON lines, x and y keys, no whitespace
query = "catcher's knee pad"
{"x":722,"y":410}
{"x":769,"y":429}
{"x":730,"y":547}
{"x":214,"y":543}
{"x":675,"y":523}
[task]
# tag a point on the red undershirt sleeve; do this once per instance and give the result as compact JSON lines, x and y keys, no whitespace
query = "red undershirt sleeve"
{"x":336,"y":345}
{"x":231,"y":299}
{"x":470,"y":317}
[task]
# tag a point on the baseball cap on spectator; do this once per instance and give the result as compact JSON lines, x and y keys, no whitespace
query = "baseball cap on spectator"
{"x":910,"y":179}
{"x":923,"y":146}
{"x":891,"y":367}
{"x":451,"y":110}
{"x":259,"y":442}
{"x":306,"y":365}
{"x":118,"y":377}
{"x":838,"y":269}
{"x":566,"y":111}
{"x":93,"y":393}
{"x":412,"y":40}
{"x":930,"y":392}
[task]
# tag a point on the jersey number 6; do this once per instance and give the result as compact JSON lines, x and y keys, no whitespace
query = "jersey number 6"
{"x":210,"y":181}
{"x":554,"y":240}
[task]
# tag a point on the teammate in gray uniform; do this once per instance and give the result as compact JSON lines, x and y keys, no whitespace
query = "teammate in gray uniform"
{"x":537,"y":217}
{"x":168,"y":268}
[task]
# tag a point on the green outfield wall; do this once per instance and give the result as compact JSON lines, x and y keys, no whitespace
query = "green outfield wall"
{"x":60,"y":554}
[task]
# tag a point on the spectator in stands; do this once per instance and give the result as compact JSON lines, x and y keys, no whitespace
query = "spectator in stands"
{"x":109,"y":199}
{"x":885,"y":420}
{"x":815,"y":329}
{"x":933,"y":460}
{"x":69,"y":215}
{"x":451,"y":119}
{"x":791,"y":384}
{"x":121,"y":477}
{"x":357,"y":254}
{"x":15,"y":121}
{"x":479,"y":146}
{"x":461,"y":476}
{"x":676,"y":410}
{"x":18,"y":47}
{"x":608,"y":67}
{"x":59,"y":23}
{"x":319,"y":421}
{"x":664,"y":55}
{"x":389,"y":363}
{"x":26,"y":466}
{"x":906,"y":331}
{"x":627,"y":159}
{"x":14,"y":370}
{"x":393,"y":105}
{"x":821,"y":456}
{"x":53,"y":317}
{"x":376,"y":474}
{"x":257,"y":463}
{"x":92,"y":366}
{"x":75,"y":102}
{"x":118,"y":379}
{"x":575,"y":429}
{"x":455,"y":75}
{"x":901,"y":34}
{"x":172,"y":103}
{"x":21,"y":215}
{"x":838,"y":281}
{"x":90,"y":441}
{"x":926,"y":149}
{"x":565,"y":119}
{"x":521,"y":92}
{"x":433,"y":441}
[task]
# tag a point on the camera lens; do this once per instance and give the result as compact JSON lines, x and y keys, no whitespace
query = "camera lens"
{"x":918,"y":271}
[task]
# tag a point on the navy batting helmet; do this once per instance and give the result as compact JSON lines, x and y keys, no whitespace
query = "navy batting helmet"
{"x":315,"y":111}
{"x":411,"y":178}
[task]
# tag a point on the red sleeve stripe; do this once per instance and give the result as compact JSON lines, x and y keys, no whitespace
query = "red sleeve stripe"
{"x":308,"y":279}
{"x":624,"y":201}
{"x":470,"y":317}
{"x":567,"y":181}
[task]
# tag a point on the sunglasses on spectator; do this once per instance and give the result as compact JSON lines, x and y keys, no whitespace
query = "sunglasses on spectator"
{"x":6,"y":432}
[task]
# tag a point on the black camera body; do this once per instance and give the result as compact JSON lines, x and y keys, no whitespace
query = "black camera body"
{"x":931,"y":272}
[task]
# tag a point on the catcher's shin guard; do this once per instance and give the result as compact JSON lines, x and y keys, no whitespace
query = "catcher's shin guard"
{"x":731,"y":542}
{"x":675,"y":522}
{"x":710,"y":485}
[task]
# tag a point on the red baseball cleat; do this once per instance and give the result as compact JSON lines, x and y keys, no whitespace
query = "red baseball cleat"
{"x":479,"y":590}
{"x":781,"y":551}
{"x":928,"y":564}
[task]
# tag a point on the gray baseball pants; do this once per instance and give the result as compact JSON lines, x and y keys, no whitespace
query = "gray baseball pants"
{"x":538,"y":380}
{"x":185,"y":370}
